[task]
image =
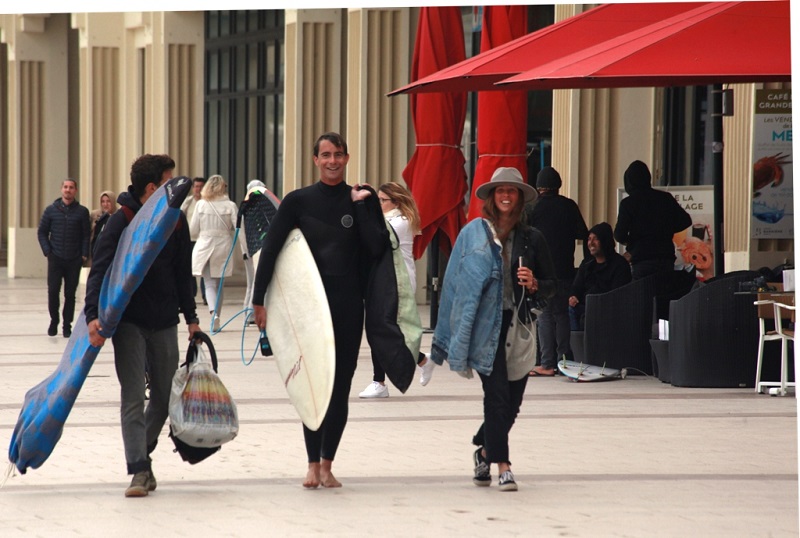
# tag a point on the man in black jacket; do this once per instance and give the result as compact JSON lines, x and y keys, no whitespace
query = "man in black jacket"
{"x":604,"y":271}
{"x":647,"y":220}
{"x":64,"y":232}
{"x":147,"y":334}
{"x":561,"y":222}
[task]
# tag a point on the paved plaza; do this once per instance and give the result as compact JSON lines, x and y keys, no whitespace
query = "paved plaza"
{"x":634,"y":457}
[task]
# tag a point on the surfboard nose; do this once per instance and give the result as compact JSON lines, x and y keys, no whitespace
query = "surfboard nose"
{"x":177,"y":188}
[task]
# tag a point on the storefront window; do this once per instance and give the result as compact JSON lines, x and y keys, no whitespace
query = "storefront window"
{"x":244,"y":85}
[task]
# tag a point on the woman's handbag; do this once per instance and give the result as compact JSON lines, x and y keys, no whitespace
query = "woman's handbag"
{"x":520,"y":343}
{"x":202,"y":413}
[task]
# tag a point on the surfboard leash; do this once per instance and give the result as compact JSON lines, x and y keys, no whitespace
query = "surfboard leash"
{"x":11,"y":471}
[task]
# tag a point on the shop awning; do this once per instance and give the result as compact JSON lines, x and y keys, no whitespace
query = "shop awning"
{"x":571,"y":35}
{"x":714,"y":43}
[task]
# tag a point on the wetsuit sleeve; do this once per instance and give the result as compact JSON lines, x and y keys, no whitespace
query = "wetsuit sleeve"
{"x":285,"y":219}
{"x":105,"y":249}
{"x":371,"y":226}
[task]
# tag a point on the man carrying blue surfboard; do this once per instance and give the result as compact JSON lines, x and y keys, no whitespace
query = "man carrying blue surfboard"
{"x":344,"y":228}
{"x":146,"y":336}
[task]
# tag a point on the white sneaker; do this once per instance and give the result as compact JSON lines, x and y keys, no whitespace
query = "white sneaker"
{"x":426,"y":370}
{"x":374,"y":390}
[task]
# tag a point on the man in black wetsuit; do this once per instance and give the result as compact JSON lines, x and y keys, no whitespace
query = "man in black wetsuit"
{"x":340,"y":224}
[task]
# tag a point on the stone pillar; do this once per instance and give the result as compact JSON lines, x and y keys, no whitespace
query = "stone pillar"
{"x":379,"y":50}
{"x":38,"y":118}
{"x":314,"y":88}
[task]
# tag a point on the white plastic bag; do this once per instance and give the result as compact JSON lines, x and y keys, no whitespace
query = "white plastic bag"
{"x":201,"y":410}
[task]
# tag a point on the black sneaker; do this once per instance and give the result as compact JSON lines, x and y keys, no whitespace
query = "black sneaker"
{"x":52,"y":330}
{"x":483,"y":476}
{"x":507,"y":482}
{"x":67,"y":331}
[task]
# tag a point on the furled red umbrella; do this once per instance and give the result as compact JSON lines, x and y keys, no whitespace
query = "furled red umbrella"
{"x":555,"y":41}
{"x":502,"y":116}
{"x":715,"y":42}
{"x":435,"y":174}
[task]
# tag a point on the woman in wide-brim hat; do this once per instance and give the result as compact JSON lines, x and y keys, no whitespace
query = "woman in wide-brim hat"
{"x":496,"y":262}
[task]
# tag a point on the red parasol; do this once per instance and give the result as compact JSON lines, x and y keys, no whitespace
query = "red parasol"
{"x":552,"y":42}
{"x":502,"y":115}
{"x":435,"y":174}
{"x":715,"y":42}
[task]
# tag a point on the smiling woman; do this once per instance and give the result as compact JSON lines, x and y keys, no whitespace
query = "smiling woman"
{"x":497,"y":263}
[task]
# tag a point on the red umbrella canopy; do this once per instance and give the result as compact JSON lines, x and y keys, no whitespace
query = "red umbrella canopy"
{"x":435,"y":174}
{"x":716,"y":42}
{"x":565,"y":37}
{"x":502,"y":116}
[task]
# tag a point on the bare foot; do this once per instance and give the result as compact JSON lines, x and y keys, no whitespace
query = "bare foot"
{"x":326,"y":476}
{"x":312,"y":480}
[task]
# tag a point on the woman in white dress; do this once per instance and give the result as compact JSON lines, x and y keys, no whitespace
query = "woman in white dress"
{"x":213,"y":223}
{"x":400,"y":210}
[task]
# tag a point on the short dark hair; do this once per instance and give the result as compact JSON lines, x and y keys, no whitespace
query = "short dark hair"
{"x":334,"y":138}
{"x":199,"y":179}
{"x":74,"y":182}
{"x":149,"y":169}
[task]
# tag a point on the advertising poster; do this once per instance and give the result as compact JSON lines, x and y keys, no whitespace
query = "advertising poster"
{"x":772,"y":209}
{"x":695,"y":245}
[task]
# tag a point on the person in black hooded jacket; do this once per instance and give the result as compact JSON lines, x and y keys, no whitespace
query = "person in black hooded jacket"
{"x":147,"y":334}
{"x":647,"y":220}
{"x":604,"y":270}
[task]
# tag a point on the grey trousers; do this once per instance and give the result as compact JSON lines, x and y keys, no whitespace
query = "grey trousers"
{"x":134,"y":349}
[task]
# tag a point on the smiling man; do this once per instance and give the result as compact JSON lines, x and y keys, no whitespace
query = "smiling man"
{"x":341,"y":225}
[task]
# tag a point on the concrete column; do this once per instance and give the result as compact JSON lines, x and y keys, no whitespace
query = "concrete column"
{"x":314,"y":88}
{"x":38,"y":148}
{"x":378,"y":54}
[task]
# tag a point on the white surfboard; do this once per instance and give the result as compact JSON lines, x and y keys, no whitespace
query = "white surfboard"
{"x":578,"y":371}
{"x":300,"y":330}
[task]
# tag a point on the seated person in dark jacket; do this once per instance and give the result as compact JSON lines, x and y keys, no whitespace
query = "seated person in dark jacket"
{"x":604,"y":271}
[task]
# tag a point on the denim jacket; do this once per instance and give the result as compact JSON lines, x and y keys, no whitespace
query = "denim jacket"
{"x":470,"y":310}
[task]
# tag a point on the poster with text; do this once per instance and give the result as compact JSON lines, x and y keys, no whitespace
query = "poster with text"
{"x":772,"y":209}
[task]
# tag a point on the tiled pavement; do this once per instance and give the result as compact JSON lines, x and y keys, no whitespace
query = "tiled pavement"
{"x":625,"y":458}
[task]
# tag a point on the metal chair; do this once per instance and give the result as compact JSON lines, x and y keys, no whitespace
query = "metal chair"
{"x":766,"y":311}
{"x":786,"y":335}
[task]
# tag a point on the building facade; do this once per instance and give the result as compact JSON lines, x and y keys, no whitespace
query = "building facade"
{"x":245,"y":94}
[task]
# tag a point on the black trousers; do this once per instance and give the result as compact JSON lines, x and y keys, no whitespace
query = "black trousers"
{"x":68,"y":271}
{"x":501,"y":403}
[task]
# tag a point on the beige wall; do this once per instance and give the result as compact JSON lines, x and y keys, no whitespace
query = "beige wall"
{"x":38,"y":151}
{"x":314,"y":88}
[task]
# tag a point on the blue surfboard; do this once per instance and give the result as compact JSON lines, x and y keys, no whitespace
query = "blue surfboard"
{"x":47,"y":405}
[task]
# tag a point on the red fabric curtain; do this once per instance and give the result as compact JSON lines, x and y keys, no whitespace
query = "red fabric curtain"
{"x":502,"y":115}
{"x":435,"y":174}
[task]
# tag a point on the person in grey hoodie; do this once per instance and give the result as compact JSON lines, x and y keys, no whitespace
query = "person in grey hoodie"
{"x":647,"y":220}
